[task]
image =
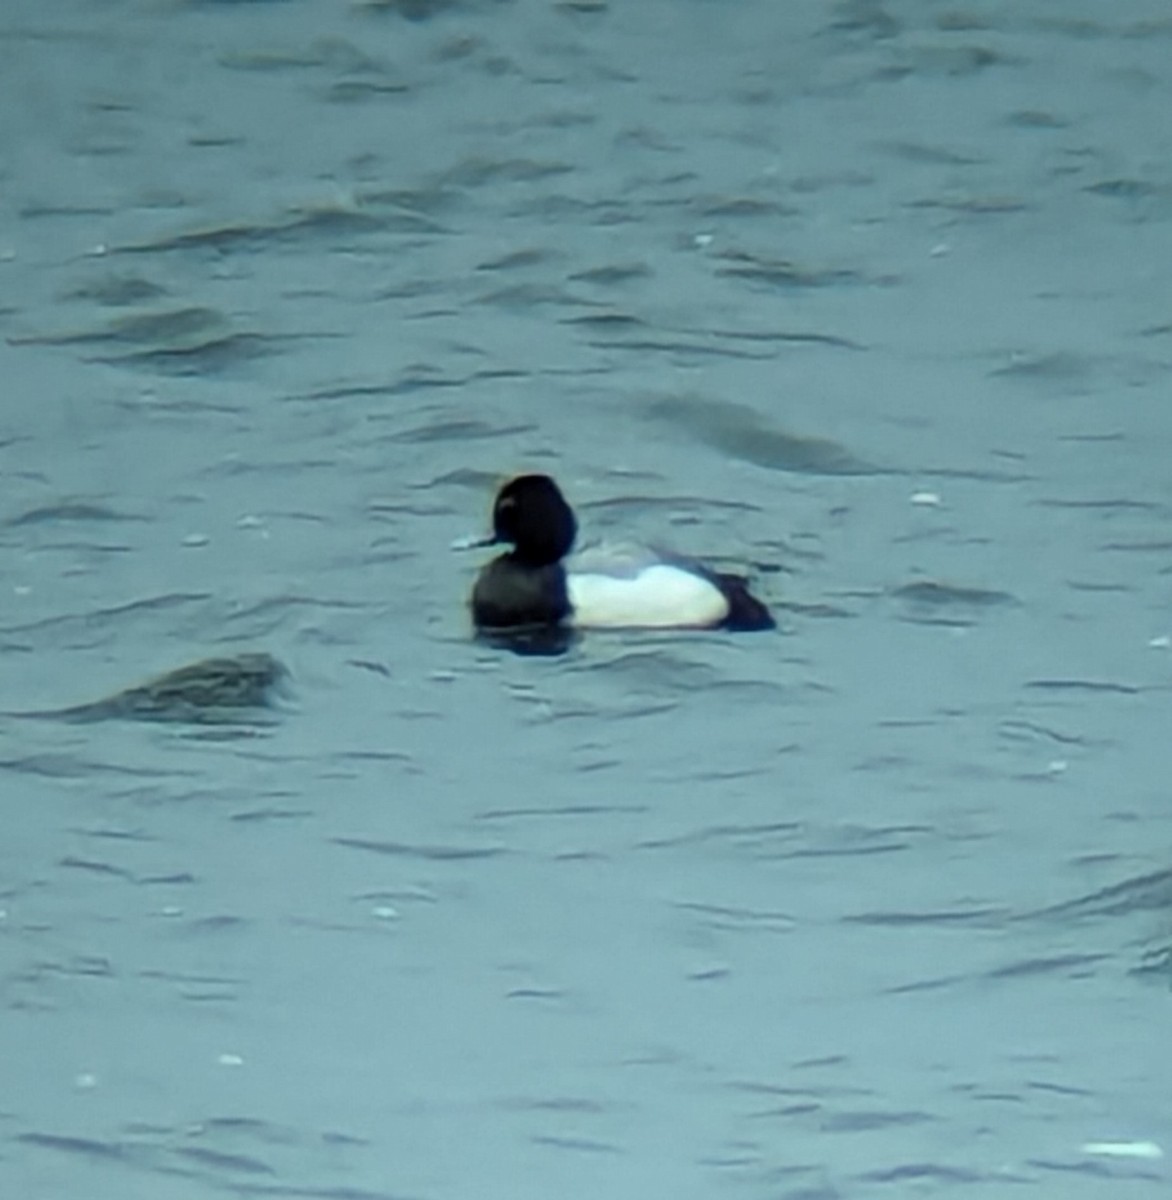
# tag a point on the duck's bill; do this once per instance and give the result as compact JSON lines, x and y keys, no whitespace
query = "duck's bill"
{"x":474,"y":542}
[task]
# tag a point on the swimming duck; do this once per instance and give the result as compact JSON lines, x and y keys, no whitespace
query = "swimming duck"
{"x":530,"y":585}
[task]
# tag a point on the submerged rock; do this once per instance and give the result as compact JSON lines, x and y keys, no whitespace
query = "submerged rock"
{"x":213,"y":690}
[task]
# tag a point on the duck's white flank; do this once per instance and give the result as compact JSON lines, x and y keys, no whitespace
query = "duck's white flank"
{"x":656,"y":596}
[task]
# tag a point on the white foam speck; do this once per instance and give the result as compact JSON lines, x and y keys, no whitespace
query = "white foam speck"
{"x":1148,"y":1150}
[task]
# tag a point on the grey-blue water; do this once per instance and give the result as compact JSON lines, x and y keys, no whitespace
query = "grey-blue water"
{"x":868,"y":299}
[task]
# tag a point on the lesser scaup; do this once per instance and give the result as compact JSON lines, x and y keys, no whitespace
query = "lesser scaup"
{"x":530,"y":586}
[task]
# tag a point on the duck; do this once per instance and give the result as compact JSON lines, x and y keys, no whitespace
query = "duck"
{"x":535,"y":585}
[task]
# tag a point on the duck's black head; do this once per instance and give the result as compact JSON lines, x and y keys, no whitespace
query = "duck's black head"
{"x":531,"y":515}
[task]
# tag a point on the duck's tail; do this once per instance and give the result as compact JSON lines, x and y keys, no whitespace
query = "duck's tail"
{"x":746,"y":614}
